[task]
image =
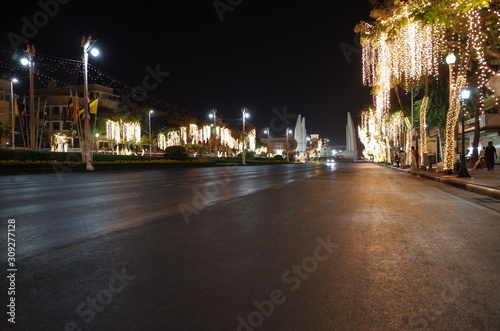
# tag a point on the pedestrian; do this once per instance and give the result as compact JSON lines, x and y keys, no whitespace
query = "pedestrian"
{"x":402,"y":158}
{"x":482,"y":156}
{"x":490,"y":153}
{"x":396,"y":159}
{"x":413,"y":157}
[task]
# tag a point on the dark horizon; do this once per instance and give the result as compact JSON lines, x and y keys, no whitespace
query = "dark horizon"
{"x":266,"y":56}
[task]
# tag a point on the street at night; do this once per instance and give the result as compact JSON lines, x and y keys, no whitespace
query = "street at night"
{"x":348,"y":246}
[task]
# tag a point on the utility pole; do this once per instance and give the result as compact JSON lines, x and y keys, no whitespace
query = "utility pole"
{"x":30,"y":51}
{"x":13,"y":119}
{"x":244,"y":115}
{"x":86,"y":158}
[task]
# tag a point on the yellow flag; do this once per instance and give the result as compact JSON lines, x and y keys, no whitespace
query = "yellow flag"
{"x":16,"y":108}
{"x":93,"y":106}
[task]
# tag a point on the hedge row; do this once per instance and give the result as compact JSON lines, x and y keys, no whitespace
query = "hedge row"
{"x":22,"y":155}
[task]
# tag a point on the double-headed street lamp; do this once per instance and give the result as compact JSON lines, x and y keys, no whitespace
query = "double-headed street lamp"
{"x":244,"y":116}
{"x":150,"y":137}
{"x":13,"y":118}
{"x":213,"y":114}
{"x":87,"y":44}
{"x":463,"y":166}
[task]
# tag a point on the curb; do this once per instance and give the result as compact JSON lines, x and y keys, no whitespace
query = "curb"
{"x":476,"y":188}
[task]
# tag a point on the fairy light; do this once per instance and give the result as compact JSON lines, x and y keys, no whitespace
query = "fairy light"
{"x":451,"y":122}
{"x":201,"y":135}
{"x":423,"y":127}
{"x":402,"y":58}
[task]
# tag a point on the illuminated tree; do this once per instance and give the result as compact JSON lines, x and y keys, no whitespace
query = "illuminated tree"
{"x":409,"y":40}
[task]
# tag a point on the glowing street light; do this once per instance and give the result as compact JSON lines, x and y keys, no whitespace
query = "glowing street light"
{"x":150,"y":137}
{"x":244,"y":116}
{"x":12,"y":81}
{"x":463,"y":167}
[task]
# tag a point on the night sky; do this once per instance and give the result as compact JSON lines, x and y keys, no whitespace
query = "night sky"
{"x":262,"y":55}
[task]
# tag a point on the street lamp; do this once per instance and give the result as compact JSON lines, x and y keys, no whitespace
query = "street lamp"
{"x":244,"y":116}
{"x":268,"y":132}
{"x":288,"y":131}
{"x":30,"y":52}
{"x":97,"y":135}
{"x":213,"y":114}
{"x":463,"y":167}
{"x":150,"y":138}
{"x":12,"y":81}
{"x":87,"y":44}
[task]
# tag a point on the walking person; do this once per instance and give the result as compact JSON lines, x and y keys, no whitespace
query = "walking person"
{"x":402,"y":158}
{"x":490,"y":154}
{"x":414,"y":164}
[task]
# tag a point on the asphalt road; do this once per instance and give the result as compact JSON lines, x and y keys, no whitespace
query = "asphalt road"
{"x":285,"y":247}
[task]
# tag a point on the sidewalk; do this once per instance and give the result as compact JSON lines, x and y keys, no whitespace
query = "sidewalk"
{"x":481,"y":181}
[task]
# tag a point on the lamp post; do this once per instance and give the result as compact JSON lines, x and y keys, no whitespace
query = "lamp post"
{"x":30,"y":52}
{"x":87,"y":44}
{"x":288,"y":131}
{"x":463,"y":167}
{"x":150,"y":137}
{"x":13,"y":118}
{"x":97,"y":135}
{"x":244,"y":116}
{"x":268,"y":132}
{"x":213,"y":114}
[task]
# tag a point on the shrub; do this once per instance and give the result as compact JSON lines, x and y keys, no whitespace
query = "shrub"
{"x":176,"y":153}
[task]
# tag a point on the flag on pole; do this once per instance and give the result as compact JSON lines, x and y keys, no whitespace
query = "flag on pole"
{"x":76,"y":105}
{"x":45,"y":122}
{"x":70,"y":106}
{"x":16,"y":108}
{"x":93,"y":106}
{"x":23,"y":114}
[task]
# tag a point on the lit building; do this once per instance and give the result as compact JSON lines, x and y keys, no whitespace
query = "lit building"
{"x":5,"y":110}
{"x":54,"y":102}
